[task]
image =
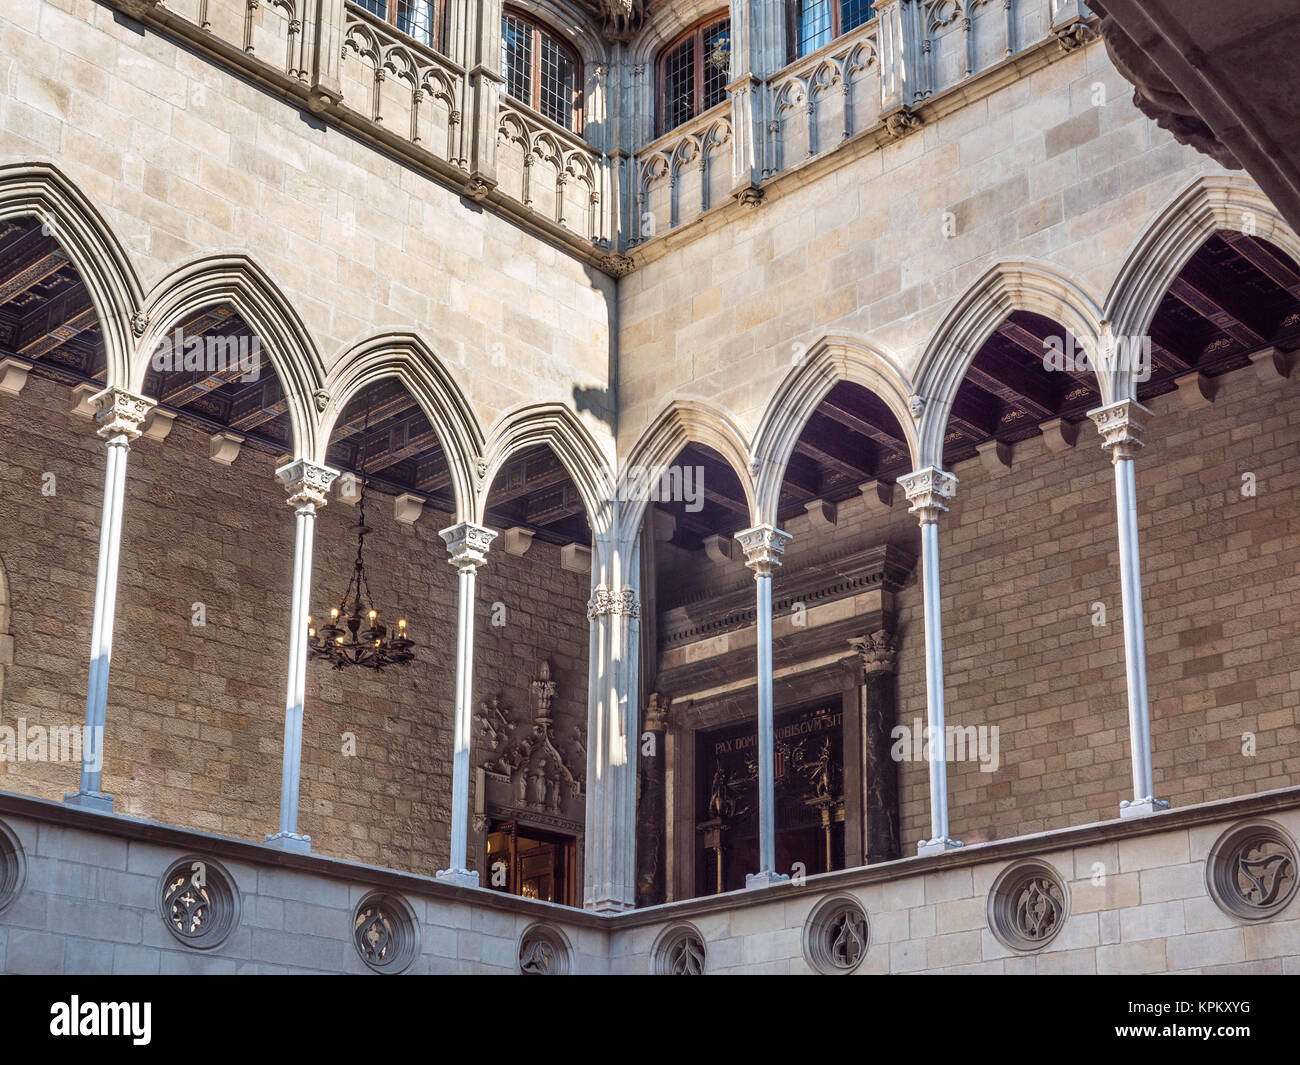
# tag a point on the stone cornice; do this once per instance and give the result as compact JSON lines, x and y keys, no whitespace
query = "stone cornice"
{"x":717,"y":609}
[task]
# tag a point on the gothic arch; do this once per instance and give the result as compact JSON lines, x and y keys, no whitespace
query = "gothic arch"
{"x":239,"y":281}
{"x":829,"y":361}
{"x":559,"y":428}
{"x":678,"y":423}
{"x":423,"y":374}
{"x":1006,"y":287}
{"x":41,"y":190}
{"x":1208,"y":204}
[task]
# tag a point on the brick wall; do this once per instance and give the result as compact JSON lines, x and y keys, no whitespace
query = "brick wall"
{"x":196,"y":715}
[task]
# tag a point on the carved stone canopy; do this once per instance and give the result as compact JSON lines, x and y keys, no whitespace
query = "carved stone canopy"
{"x":530,"y":768}
{"x":619,"y":19}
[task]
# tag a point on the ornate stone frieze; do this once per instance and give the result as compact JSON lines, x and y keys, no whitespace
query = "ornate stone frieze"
{"x":763,"y":546}
{"x":468,"y":545}
{"x":929,"y":491}
{"x":307,"y":483}
{"x":1121,"y":427}
{"x":120,"y":414}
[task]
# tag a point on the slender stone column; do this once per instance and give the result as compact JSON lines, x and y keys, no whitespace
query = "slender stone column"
{"x":929,"y":491}
{"x":1121,"y":426}
{"x":468,"y":545}
{"x":610,"y":872}
{"x":308,"y":487}
{"x":879,"y":655}
{"x":763,"y":546}
{"x":120,"y":415}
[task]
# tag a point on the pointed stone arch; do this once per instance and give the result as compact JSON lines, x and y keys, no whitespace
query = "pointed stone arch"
{"x":1004,"y":288}
{"x":681,"y":422}
{"x":409,"y":359}
{"x":42,"y":191}
{"x":257,"y":299}
{"x":828,"y":362}
{"x":562,"y":430}
{"x":1210,"y":203}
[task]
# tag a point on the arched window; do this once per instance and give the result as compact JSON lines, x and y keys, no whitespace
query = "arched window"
{"x":814,"y":23}
{"x":415,"y":18}
{"x":540,"y":69}
{"x":693,"y":72}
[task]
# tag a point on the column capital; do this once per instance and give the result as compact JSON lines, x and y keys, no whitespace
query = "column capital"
{"x":120,"y":414}
{"x":763,"y":546}
{"x":307,"y":483}
{"x":929,"y":491}
{"x":468,"y":545}
{"x":656,"y":714}
{"x":1121,"y":426}
{"x":878,"y":651}
{"x":625,"y":603}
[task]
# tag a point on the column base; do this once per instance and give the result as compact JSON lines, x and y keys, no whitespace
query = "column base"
{"x":1142,"y":807}
{"x":457,"y":877}
{"x":98,"y":801}
{"x":938,"y":845}
{"x":290,"y":841}
{"x":764,"y":879}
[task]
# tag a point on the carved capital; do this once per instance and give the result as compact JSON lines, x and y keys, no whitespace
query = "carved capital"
{"x":307,"y":483}
{"x":468,"y":545}
{"x":656,"y":714}
{"x":878,"y":651}
{"x":120,"y":414}
{"x":763,"y":546}
{"x":1121,"y":426}
{"x":929,"y":491}
{"x":624,"y":603}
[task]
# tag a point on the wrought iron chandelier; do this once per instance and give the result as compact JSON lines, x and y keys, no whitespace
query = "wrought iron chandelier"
{"x":344,"y":642}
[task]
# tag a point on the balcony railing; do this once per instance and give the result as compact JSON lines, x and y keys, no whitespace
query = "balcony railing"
{"x":550,"y":170}
{"x":824,"y":98}
{"x":683,"y":173}
{"x":402,"y":85}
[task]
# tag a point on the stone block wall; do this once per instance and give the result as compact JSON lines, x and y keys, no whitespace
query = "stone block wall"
{"x":196,"y":714}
